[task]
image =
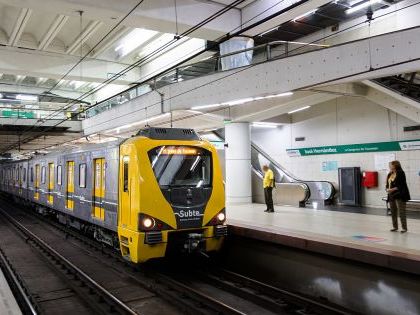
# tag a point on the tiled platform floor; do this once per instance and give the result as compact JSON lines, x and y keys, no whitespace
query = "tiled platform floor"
{"x":364,"y":233}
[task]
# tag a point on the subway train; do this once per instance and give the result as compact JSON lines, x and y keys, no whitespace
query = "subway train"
{"x":157,"y":193}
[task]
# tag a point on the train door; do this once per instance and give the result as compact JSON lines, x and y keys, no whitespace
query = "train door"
{"x":125,"y":192}
{"x":98,"y":188}
{"x":70,"y":185}
{"x":37,"y":180}
{"x":50,"y":198}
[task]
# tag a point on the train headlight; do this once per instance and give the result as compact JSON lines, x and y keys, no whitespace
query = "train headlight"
{"x":221,"y":217}
{"x":148,"y":223}
{"x":218,"y":219}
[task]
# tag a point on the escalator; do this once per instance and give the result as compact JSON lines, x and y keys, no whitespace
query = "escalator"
{"x":289,"y":189}
{"x":318,"y":191}
{"x":406,"y":84}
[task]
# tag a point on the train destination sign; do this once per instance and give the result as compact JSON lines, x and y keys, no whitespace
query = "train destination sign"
{"x":357,"y":148}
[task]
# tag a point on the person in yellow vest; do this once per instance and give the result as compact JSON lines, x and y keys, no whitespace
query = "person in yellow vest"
{"x":268,"y":184}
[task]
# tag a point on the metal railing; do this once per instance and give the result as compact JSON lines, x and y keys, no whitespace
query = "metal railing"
{"x":260,"y":53}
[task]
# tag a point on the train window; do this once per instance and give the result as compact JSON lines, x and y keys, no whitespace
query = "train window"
{"x":82,"y":175}
{"x":180,"y":166}
{"x":43,"y":173}
{"x":126,"y":160}
{"x":24,"y":174}
{"x":32,"y":174}
{"x":59,"y":174}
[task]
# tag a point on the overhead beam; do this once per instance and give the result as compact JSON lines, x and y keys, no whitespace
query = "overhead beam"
{"x":398,"y":103}
{"x":84,"y":36}
{"x":158,"y":15}
{"x":52,"y":31}
{"x":53,"y":65}
{"x":20,"y":24}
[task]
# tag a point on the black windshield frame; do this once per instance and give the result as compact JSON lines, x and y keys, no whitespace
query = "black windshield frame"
{"x":193,"y":169}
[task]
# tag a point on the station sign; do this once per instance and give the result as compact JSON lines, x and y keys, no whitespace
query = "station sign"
{"x":406,"y":145}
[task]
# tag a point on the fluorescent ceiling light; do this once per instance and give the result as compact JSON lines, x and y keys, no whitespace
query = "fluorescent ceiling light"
{"x":304,"y":15}
{"x":205,"y":106}
{"x":239,"y":102}
{"x":269,"y":31}
{"x":362,"y":6}
{"x":77,"y":84}
{"x":132,"y":40}
{"x":276,"y":95}
{"x":144,"y":121}
{"x":261,"y":124}
{"x":298,"y":110}
{"x":25,"y":97}
{"x":283,"y":94}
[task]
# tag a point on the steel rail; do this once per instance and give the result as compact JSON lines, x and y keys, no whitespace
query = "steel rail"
{"x":105,"y":294}
{"x":21,"y":296}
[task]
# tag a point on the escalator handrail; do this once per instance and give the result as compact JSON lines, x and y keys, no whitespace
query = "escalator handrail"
{"x":307,"y":189}
{"x":276,"y":164}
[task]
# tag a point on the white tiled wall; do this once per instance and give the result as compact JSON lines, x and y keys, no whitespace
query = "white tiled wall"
{"x":346,"y":120}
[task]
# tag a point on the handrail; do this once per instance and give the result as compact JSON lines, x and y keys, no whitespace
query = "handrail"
{"x":151,"y":82}
{"x":294,"y":178}
{"x":308,"y":183}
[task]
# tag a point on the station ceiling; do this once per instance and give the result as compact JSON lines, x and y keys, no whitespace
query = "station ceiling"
{"x":61,"y":51}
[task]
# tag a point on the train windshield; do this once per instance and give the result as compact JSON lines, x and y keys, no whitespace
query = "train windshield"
{"x":176,"y":166}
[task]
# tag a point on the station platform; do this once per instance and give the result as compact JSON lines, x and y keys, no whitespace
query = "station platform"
{"x":354,"y":236}
{"x":8,"y":304}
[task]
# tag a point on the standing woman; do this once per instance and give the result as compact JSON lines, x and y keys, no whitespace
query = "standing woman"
{"x":398,"y":195}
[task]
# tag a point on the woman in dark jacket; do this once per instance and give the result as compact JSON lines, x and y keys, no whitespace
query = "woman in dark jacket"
{"x":398,"y":195}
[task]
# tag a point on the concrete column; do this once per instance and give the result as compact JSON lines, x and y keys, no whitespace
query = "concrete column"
{"x":238,"y":163}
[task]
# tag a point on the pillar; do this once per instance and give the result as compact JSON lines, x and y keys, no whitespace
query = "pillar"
{"x":238,"y":163}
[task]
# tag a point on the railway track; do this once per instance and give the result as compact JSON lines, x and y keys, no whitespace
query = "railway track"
{"x":55,"y":278}
{"x":246,"y":295}
{"x":174,"y":293}
{"x":200,"y":291}
{"x":20,"y":292}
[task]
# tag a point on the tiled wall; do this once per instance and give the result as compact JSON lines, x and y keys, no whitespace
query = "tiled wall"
{"x":346,"y":120}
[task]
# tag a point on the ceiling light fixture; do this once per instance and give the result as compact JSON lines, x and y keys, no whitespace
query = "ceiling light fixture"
{"x":144,"y":121}
{"x":262,"y":124}
{"x":305,"y":15}
{"x":279,"y":95}
{"x":206,"y":106}
{"x":26,"y":97}
{"x":362,"y":6}
{"x":132,"y":40}
{"x":77,"y":84}
{"x":239,"y":102}
{"x":298,"y":110}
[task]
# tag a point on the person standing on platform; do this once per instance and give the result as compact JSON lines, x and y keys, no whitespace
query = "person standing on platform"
{"x":268,"y":184}
{"x":398,"y":195}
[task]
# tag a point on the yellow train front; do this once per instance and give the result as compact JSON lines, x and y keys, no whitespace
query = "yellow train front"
{"x":171,"y":195}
